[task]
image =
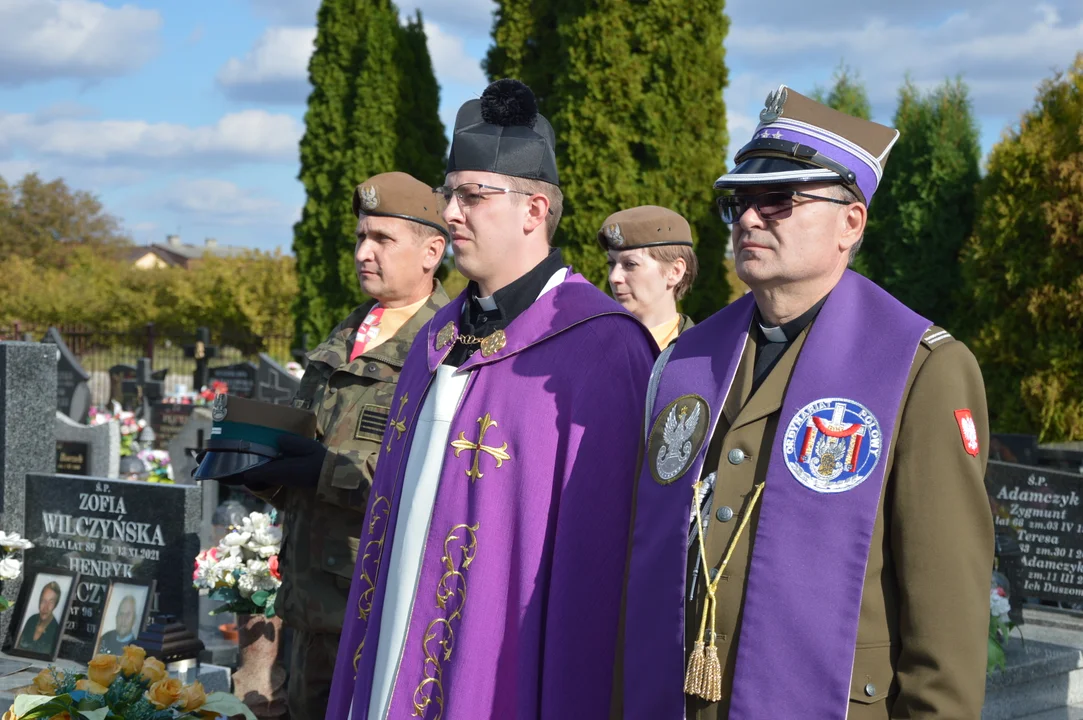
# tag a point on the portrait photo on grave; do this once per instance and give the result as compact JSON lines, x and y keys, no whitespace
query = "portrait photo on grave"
{"x":127,"y":609}
{"x":42,"y":612}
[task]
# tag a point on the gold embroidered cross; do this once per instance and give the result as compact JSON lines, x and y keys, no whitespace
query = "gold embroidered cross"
{"x":398,"y":424}
{"x":499,"y":454}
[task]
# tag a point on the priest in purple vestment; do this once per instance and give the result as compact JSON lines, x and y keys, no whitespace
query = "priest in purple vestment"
{"x":490,"y":562}
{"x":811,"y":537}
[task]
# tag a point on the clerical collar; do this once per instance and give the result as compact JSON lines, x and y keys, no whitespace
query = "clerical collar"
{"x":510,"y":301}
{"x":788,"y":332}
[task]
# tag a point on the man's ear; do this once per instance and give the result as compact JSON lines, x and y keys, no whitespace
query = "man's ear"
{"x":433,"y":253}
{"x":852,"y":225}
{"x":537,"y":212}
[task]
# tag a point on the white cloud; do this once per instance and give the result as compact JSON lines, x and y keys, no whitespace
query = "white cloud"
{"x":209,"y":201}
{"x":450,"y":59}
{"x":47,"y":39}
{"x":248,"y":136}
{"x":275,"y":69}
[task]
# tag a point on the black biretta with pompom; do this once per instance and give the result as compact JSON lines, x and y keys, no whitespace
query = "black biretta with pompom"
{"x":503,"y":133}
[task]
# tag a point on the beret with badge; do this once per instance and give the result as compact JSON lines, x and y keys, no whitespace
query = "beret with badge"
{"x":503,"y":133}
{"x":644,"y":226}
{"x":246,"y":434}
{"x":396,"y":194}
{"x":799,"y":140}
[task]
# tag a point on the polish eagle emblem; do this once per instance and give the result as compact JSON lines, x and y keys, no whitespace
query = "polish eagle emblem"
{"x":772,"y":106}
{"x":676,"y":446}
{"x":613,"y":233}
{"x":370,"y":199}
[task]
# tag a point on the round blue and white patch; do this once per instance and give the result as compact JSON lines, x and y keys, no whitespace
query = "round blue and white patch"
{"x":832,"y":445}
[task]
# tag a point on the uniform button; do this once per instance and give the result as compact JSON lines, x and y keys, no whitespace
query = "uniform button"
{"x":330,"y":562}
{"x":736,"y":456}
{"x":371,"y":367}
{"x":724,"y":513}
{"x":714,"y":573}
{"x":870,"y":689}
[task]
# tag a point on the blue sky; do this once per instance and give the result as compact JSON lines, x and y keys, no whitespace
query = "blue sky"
{"x":184,"y":117}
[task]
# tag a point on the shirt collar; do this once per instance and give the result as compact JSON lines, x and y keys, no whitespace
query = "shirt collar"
{"x":788,"y":332}
{"x":511,"y":300}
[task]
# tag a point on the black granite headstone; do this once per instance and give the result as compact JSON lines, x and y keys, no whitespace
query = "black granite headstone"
{"x":167,"y":419}
{"x":1042,"y":510}
{"x":27,"y":434}
{"x":1014,"y":448}
{"x":276,"y":383}
{"x":72,"y":390}
{"x":120,"y":388}
{"x":72,"y":458}
{"x":114,"y":529}
{"x":239,"y":378}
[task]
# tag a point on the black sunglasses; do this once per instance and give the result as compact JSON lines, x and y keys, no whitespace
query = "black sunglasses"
{"x":771,"y":205}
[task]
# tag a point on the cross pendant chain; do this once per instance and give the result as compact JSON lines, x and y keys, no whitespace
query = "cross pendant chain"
{"x":499,"y":454}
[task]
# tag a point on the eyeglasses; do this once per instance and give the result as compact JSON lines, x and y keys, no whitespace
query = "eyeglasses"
{"x":772,"y":205}
{"x":469,"y":194}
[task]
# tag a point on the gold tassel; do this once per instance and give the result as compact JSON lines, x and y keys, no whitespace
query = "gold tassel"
{"x":695,"y":673}
{"x":712,"y":674}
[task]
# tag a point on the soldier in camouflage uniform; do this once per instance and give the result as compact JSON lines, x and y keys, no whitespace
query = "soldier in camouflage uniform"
{"x":322,"y":487}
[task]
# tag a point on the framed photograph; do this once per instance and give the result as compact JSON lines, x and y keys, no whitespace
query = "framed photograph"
{"x":46,"y":600}
{"x":127,"y":606}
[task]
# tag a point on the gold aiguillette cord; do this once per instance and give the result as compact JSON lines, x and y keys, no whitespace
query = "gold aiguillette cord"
{"x":703,"y":677}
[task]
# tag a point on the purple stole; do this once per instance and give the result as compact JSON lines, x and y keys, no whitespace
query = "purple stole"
{"x":803,"y":599}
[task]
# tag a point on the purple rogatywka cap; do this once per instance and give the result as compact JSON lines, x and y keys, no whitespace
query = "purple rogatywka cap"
{"x":800,"y":140}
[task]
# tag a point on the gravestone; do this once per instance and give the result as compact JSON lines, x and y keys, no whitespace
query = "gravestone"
{"x":1042,"y":510}
{"x":276,"y":383}
{"x":167,"y":419}
{"x":1014,"y":448}
{"x":191,"y":438}
{"x":87,"y":450}
{"x":202,"y":351}
{"x":240,"y":378}
{"x":27,"y":419}
{"x":120,"y":391}
{"x":72,"y":389}
{"x":114,"y":529}
{"x":1066,"y":456}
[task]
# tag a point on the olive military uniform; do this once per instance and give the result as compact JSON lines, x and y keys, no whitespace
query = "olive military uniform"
{"x":321,"y":528}
{"x":932,"y":547}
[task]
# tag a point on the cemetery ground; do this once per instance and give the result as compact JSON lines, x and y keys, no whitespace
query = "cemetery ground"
{"x":104,"y":529}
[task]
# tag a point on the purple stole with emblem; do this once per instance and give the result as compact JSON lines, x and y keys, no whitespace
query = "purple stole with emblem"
{"x":825,"y":474}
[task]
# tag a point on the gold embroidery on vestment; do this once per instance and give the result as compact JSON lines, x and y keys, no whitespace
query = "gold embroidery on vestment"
{"x":397,"y":425}
{"x":500,"y":454}
{"x":374,"y":552}
{"x":440,"y":652}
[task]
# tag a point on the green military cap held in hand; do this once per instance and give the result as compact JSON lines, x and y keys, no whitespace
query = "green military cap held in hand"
{"x":245,"y":435}
{"x":644,"y":226}
{"x":396,"y":194}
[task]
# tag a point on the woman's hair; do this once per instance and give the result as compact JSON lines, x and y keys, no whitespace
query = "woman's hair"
{"x":669,"y":254}
{"x":55,"y":587}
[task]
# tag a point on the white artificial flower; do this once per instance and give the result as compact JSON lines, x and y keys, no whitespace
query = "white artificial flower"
{"x":999,"y":606}
{"x":12,"y":541}
{"x":236,"y":539}
{"x":10,"y":568}
{"x":246,"y":585}
{"x":258,"y":567}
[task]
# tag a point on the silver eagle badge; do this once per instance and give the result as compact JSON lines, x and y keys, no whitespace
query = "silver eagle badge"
{"x":772,"y":107}
{"x":370,"y":199}
{"x":676,"y":448}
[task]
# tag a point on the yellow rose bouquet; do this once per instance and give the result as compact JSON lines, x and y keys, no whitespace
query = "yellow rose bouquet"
{"x":125,"y":687}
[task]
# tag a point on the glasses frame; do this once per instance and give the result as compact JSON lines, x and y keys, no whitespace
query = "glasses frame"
{"x":750,"y":201}
{"x":447,"y":193}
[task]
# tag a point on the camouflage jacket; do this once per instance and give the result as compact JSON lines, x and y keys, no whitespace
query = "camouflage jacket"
{"x":321,"y":526}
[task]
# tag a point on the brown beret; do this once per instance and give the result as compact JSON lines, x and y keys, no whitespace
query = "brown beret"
{"x":644,"y":226}
{"x":396,"y":194}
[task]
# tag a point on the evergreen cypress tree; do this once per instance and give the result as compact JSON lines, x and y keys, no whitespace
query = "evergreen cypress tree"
{"x":634,"y":93}
{"x":847,"y":93}
{"x":925,"y":207}
{"x":367,"y":114}
{"x":1024,"y":268}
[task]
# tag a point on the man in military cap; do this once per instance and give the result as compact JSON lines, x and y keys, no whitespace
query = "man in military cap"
{"x":829,"y":446}
{"x":323,"y":485}
{"x":651,"y":266}
{"x":494,"y":542}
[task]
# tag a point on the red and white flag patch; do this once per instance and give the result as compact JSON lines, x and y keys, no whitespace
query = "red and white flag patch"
{"x":968,"y":431}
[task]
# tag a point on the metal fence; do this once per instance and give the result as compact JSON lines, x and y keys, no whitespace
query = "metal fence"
{"x":99,"y":350}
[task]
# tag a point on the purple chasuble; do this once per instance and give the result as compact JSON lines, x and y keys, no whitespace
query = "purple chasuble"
{"x":825,"y":475}
{"x":515,"y":611}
